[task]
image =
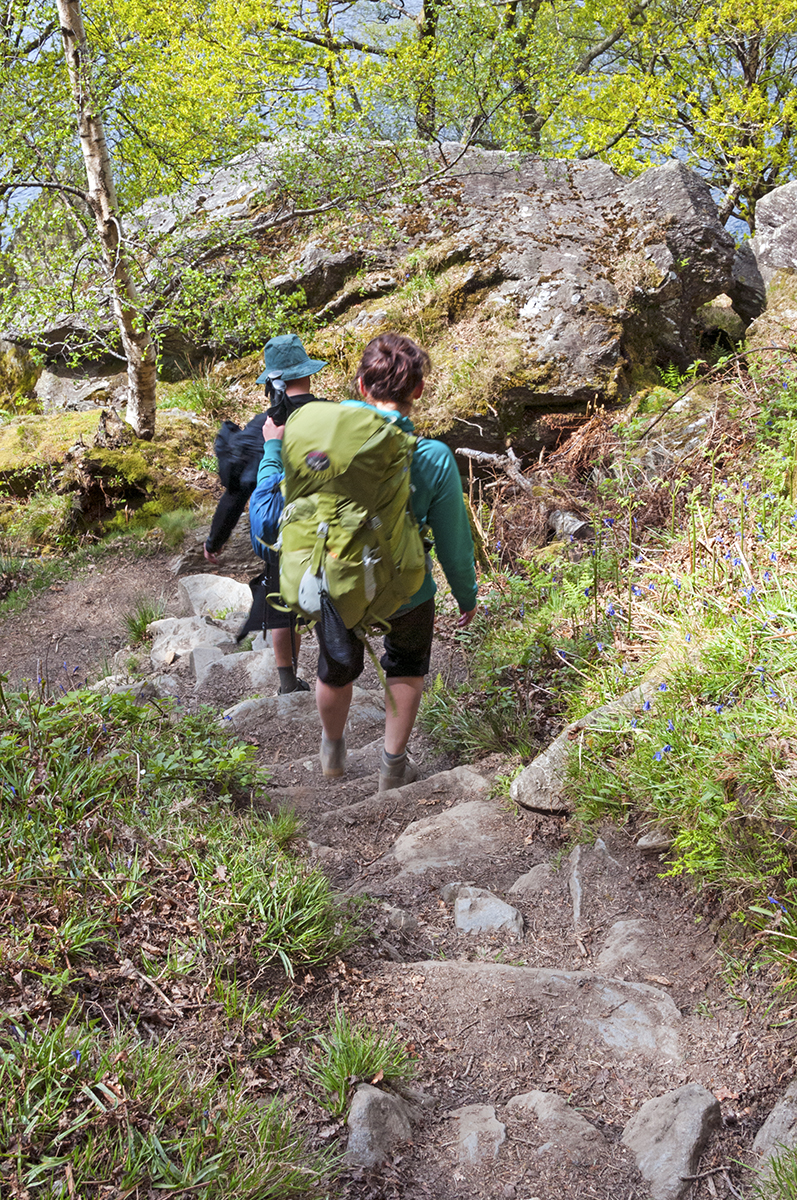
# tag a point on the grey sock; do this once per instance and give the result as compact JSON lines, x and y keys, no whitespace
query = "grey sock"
{"x":391,"y":758}
{"x":287,"y":679}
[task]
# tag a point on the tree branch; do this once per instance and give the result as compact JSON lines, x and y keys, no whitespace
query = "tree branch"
{"x":47,"y":187}
{"x":586,"y":60}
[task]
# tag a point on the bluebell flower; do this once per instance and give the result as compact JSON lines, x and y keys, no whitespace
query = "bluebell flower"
{"x":767,"y":576}
{"x":608,"y":520}
{"x":658,"y":755}
{"x":633,"y":722}
{"x":688,"y":637}
{"x":600,"y":647}
{"x":646,"y":706}
{"x":76,"y":1054}
{"x":773,"y":557}
{"x":636,"y":591}
{"x":610,"y":611}
{"x":718,"y":708}
{"x":677,"y":583}
{"x":670,"y":725}
{"x":586,"y":591}
{"x":778,"y":904}
{"x":662,"y":687}
{"x":651,"y":587}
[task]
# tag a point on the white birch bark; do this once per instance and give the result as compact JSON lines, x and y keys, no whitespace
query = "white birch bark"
{"x":136,"y":342}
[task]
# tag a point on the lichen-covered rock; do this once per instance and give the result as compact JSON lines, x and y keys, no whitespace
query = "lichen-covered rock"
{"x":540,"y":284}
{"x":775,"y":241}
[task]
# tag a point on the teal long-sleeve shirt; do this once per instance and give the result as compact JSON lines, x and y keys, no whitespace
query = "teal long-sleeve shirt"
{"x":436,"y":500}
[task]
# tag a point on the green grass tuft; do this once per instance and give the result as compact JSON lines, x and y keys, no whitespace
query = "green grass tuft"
{"x":142,"y":614}
{"x":353,"y":1053}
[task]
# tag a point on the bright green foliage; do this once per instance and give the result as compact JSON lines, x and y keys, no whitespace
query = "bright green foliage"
{"x":107,"y":808}
{"x":713,"y":83}
{"x":778,"y":1181}
{"x":353,"y":1053}
{"x":507,"y":648}
{"x":82,"y":1106}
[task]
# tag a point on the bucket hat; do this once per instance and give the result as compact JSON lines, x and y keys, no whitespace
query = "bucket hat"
{"x":286,"y":356}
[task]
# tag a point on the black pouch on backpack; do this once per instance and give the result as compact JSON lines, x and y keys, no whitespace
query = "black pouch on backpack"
{"x":340,"y":644}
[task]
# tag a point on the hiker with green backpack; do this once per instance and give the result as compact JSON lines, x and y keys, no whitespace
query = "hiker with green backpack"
{"x":345,"y":491}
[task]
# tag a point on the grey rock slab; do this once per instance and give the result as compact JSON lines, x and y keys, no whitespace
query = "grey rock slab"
{"x":360,"y":761}
{"x":479,"y":911}
{"x":563,"y":1128}
{"x":474,"y":828}
{"x":570,"y":527}
{"x":594,"y":875}
{"x":633,"y":947}
{"x":541,"y":784}
{"x":154,"y":687}
{"x":174,"y":637}
{"x":625,"y":1018}
{"x":213,"y":596}
{"x":681,"y":202}
{"x":378,"y":1123}
{"x":459,"y":784}
{"x":655,"y":840}
{"x":479,"y":1134}
{"x":202,"y":658}
{"x":748,"y":290}
{"x":249,"y":715}
{"x":79,"y":391}
{"x":779,"y":1131}
{"x":668,"y":1135}
{"x":539,"y":238}
{"x":775,"y":241}
{"x":253,"y":672}
{"x":539,"y":879}
{"x":399,"y":918}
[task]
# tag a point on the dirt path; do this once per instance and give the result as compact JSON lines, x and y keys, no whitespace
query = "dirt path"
{"x":548,"y":990}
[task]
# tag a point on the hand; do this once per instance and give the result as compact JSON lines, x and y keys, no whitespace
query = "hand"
{"x":466,"y":618}
{"x":212,"y":558}
{"x":272,"y":432}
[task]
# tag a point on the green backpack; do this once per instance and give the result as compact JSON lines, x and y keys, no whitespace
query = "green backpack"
{"x":347,"y":529}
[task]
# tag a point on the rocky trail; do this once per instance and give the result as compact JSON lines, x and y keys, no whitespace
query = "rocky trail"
{"x":580,"y":1029}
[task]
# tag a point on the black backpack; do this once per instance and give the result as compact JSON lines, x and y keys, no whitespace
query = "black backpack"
{"x":238,"y":454}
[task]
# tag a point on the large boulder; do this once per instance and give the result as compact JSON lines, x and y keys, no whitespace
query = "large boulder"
{"x":542,"y":284}
{"x":774,"y":249}
{"x":775,"y":241}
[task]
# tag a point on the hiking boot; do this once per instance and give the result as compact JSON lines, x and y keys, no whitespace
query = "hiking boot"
{"x":333,"y":757}
{"x":396,"y":772}
{"x":299,"y":685}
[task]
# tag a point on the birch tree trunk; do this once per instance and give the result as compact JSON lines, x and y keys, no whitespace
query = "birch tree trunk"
{"x":136,"y":342}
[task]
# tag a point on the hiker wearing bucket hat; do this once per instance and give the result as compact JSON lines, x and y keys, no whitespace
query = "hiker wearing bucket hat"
{"x":287,"y":358}
{"x":287,"y":380}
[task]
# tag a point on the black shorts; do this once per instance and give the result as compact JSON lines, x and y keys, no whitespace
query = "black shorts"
{"x":408,"y":648}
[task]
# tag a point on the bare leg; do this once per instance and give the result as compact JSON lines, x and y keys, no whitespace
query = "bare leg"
{"x":406,"y":692}
{"x":281,"y":641}
{"x":333,"y":708}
